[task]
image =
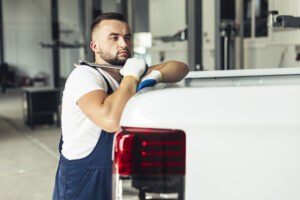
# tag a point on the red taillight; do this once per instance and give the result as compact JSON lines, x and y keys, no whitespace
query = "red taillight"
{"x":123,"y":154}
{"x":140,"y":151}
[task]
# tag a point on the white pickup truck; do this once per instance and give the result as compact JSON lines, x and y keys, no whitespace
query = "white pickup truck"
{"x":209,"y":139}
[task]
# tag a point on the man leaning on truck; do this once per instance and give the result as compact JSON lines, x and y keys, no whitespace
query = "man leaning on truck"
{"x":92,"y":104}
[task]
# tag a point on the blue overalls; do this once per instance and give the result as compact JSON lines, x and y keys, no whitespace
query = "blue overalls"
{"x":89,"y":178}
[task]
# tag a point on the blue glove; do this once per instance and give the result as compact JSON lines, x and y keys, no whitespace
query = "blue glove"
{"x":150,"y":79}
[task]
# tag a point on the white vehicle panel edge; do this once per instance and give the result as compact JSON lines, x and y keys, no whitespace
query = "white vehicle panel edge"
{"x":240,"y":141}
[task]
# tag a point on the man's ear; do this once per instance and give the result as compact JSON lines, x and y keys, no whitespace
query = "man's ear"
{"x":94,"y":47}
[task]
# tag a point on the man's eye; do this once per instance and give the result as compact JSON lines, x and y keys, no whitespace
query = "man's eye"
{"x":115,"y":38}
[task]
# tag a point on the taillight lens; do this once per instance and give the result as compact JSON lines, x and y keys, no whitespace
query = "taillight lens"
{"x":149,"y":162}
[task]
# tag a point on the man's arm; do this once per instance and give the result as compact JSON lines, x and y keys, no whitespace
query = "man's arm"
{"x":172,"y":71}
{"x":105,"y":111}
{"x":168,"y":72}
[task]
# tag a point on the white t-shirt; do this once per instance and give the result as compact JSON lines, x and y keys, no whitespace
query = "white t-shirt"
{"x":80,"y":135}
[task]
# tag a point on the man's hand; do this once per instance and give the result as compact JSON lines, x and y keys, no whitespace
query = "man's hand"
{"x":134,"y":67}
{"x":151,"y":79}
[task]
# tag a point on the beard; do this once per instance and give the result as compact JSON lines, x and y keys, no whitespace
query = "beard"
{"x":114,"y":59}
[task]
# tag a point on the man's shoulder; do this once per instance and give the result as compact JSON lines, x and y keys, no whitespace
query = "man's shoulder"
{"x":82,"y":80}
{"x":84,"y":72}
{"x":84,"y":69}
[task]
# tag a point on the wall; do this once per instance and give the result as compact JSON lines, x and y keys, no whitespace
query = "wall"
{"x":166,"y":17}
{"x":109,"y":5}
{"x":26,"y":23}
{"x":275,"y":50}
{"x":278,"y":49}
{"x":208,"y":32}
{"x":70,"y":32}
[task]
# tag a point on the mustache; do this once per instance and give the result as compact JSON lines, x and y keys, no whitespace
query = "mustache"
{"x":123,"y":50}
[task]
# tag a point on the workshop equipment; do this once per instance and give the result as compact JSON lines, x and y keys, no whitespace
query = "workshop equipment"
{"x":40,"y":106}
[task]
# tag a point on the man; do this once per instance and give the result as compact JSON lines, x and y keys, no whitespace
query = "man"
{"x":92,"y":104}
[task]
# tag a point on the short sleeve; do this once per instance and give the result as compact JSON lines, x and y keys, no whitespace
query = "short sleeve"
{"x":83,"y":79}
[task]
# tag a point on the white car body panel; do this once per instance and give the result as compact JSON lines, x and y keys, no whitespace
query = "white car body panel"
{"x":241,"y":142}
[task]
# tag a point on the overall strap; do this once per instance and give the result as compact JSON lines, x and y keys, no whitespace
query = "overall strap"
{"x":109,"y":89}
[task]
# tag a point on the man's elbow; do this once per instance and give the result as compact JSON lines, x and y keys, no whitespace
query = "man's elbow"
{"x":182,"y":69}
{"x":185,"y":69}
{"x":111,"y":124}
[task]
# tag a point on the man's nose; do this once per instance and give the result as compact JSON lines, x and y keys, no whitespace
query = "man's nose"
{"x":123,"y":42}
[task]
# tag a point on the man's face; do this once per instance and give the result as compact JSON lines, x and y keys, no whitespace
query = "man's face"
{"x":114,"y":41}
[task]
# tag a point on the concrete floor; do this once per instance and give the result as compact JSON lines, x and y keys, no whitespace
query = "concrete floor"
{"x":28,"y":158}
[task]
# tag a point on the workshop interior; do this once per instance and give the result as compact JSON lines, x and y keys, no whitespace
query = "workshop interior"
{"x":41,"y":42}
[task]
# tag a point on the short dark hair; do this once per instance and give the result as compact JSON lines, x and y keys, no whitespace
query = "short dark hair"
{"x":107,"y":16}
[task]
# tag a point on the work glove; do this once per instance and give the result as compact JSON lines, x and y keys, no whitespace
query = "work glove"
{"x":150,"y":79}
{"x":134,"y":67}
